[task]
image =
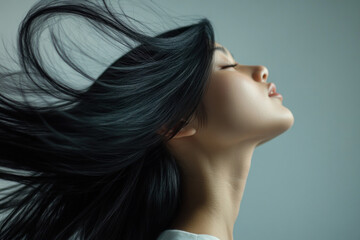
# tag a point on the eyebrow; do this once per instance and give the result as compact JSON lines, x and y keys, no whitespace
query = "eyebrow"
{"x":224,"y":51}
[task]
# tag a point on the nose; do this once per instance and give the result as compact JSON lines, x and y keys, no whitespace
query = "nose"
{"x":260,"y":73}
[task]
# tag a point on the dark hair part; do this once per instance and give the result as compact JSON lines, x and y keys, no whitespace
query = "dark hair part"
{"x":92,"y":165}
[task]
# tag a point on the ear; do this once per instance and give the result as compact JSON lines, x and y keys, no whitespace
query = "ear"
{"x":184,"y":132}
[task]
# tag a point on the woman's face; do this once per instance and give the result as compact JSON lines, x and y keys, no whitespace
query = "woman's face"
{"x":238,"y":105}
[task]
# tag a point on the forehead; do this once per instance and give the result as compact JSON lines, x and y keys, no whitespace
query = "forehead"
{"x":220,"y":50}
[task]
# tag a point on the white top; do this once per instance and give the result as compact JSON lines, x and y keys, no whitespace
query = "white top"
{"x":176,"y":234}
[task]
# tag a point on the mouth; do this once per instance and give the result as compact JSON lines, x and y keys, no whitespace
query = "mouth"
{"x":272,"y":91}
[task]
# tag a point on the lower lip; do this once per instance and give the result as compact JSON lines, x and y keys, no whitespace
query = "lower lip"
{"x":278,"y":95}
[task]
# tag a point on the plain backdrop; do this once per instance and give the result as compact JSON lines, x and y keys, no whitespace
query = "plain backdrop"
{"x":305,"y":183}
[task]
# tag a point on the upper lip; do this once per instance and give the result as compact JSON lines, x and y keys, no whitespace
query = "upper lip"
{"x":272,"y":87}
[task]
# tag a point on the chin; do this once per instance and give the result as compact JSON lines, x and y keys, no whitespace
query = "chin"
{"x":283,"y":127}
{"x":291,"y":120}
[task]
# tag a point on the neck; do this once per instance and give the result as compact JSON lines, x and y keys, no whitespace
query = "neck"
{"x":212,"y":190}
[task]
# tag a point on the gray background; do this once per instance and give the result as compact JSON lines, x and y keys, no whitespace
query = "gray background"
{"x":304,"y":184}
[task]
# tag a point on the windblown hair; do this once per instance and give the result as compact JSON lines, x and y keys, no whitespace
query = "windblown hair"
{"x":93,"y":165}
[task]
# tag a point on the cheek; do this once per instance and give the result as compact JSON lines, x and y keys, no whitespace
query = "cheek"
{"x":235,"y":103}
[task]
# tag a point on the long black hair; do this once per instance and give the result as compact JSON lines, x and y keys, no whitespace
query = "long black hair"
{"x":91,"y":164}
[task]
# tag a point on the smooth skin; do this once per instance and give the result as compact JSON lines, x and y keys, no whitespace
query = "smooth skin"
{"x":215,"y":160}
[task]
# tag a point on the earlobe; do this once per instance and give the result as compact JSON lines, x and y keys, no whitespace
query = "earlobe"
{"x":185,"y":132}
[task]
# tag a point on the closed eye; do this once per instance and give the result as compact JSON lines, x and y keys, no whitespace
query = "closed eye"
{"x":228,"y":66}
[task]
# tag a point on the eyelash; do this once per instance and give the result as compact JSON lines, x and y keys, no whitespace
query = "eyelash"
{"x":227,"y":66}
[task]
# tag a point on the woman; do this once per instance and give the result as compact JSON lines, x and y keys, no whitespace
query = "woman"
{"x":158,"y":147}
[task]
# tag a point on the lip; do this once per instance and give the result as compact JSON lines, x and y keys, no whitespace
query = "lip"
{"x":272,"y":87}
{"x":278,"y":95}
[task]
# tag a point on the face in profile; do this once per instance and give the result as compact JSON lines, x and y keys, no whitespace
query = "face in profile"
{"x":239,"y":108}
